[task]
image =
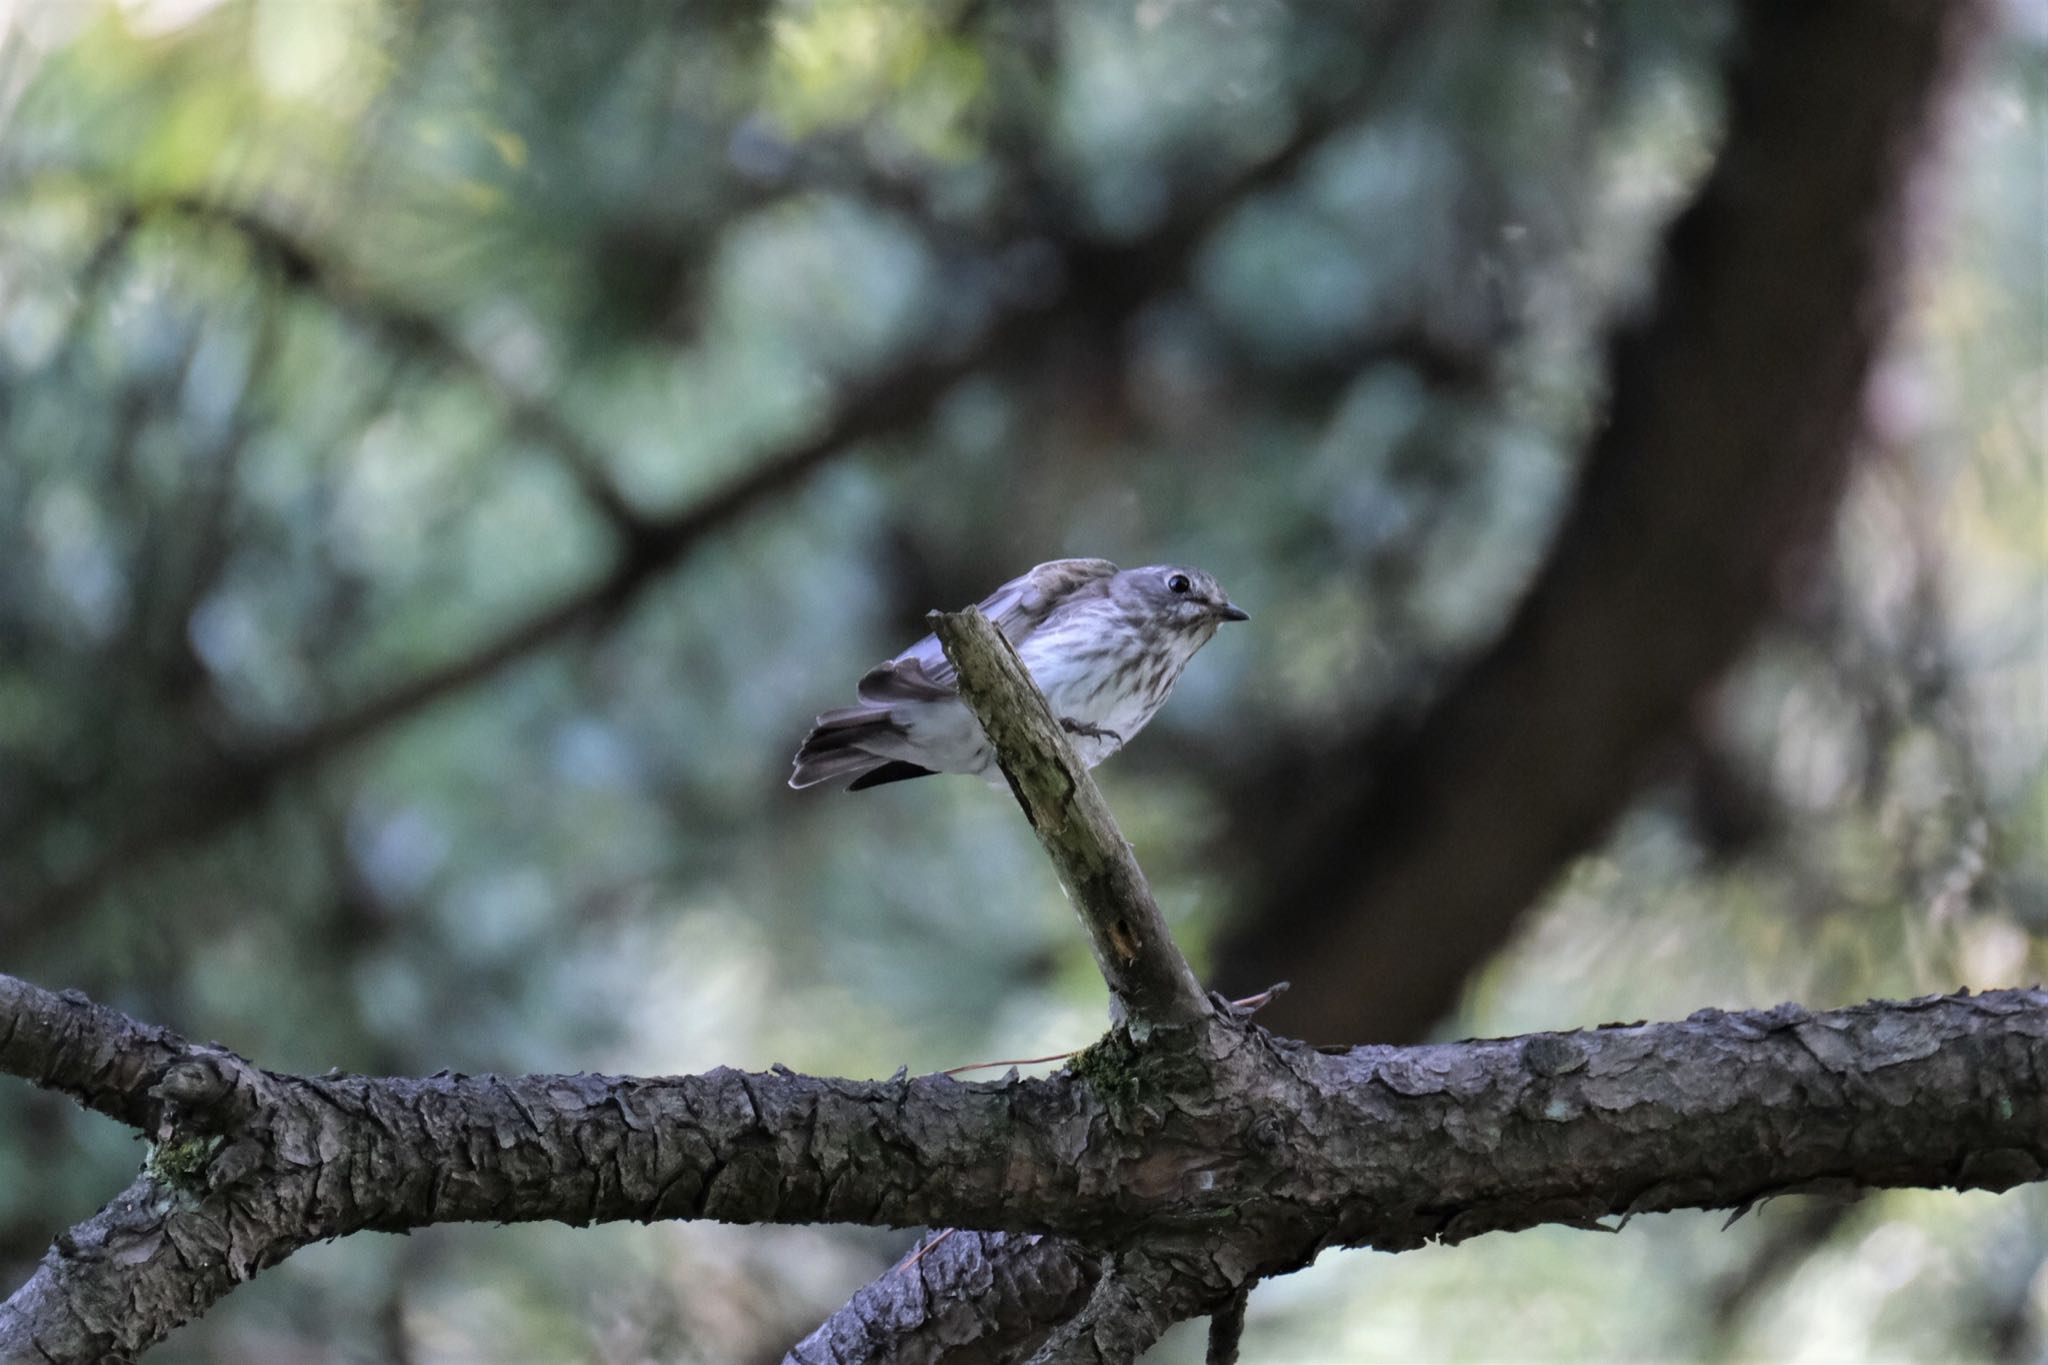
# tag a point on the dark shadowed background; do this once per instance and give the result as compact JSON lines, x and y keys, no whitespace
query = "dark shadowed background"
{"x":448,"y":452}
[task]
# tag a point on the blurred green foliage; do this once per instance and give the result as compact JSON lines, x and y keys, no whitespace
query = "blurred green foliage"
{"x":321,"y":319}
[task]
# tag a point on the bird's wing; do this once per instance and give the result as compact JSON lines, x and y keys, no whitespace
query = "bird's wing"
{"x":923,"y":673}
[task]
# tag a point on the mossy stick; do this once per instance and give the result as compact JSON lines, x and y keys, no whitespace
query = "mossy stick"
{"x":1147,"y":975}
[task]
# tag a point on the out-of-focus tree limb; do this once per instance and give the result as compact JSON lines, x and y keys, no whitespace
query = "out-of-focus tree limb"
{"x":405,"y":325}
{"x":1737,"y":407}
{"x":1230,"y":1155}
{"x":1104,"y":282}
{"x":196,"y":803}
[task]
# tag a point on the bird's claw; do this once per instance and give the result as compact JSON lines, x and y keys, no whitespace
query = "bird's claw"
{"x":1079,"y":727}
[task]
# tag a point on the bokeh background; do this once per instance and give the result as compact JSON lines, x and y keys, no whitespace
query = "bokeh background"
{"x":372,"y":696}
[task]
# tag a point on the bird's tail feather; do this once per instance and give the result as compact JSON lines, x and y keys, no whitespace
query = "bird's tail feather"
{"x":895,"y":770}
{"x":836,"y":747}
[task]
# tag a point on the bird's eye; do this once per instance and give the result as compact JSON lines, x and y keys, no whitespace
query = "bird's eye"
{"x":1178,"y":583}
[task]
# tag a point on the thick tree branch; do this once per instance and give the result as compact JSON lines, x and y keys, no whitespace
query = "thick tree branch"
{"x":1146,"y":973}
{"x":1737,"y":405}
{"x":1239,"y":1155}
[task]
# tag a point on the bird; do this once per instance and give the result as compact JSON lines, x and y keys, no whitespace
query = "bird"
{"x":1104,"y":644}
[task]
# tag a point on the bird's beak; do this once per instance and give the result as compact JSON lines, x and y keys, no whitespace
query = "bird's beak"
{"x":1230,"y":611}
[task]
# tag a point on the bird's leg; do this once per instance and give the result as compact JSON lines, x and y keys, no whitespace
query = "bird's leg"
{"x":1081,"y":727}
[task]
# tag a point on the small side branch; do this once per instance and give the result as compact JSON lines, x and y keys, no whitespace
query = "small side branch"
{"x":1226,"y":1329}
{"x":1145,"y":970}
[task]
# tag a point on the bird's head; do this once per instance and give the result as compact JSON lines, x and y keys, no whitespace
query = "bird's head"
{"x":1180,"y":596}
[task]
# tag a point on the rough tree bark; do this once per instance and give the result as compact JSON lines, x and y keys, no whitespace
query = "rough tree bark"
{"x":1214,"y":1154}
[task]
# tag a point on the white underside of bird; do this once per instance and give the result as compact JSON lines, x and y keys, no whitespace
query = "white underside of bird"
{"x":1104,"y":653}
{"x":1100,"y":717}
